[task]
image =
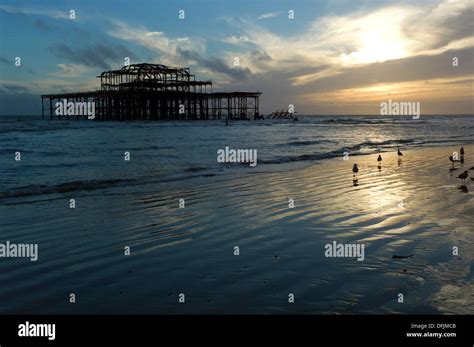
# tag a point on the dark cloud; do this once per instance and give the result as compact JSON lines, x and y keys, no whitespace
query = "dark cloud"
{"x":260,"y":56}
{"x":98,"y":55}
{"x":451,"y":28}
{"x":215,"y":65}
{"x":416,"y":68}
{"x":12,"y":89}
{"x":279,"y":91}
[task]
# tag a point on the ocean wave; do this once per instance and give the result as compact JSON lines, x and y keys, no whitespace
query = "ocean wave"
{"x":185,"y":178}
{"x":361,"y":121}
{"x":308,"y":143}
{"x":67,"y":187}
{"x":195,"y":169}
{"x":353,"y":150}
{"x":145,"y":148}
{"x":93,"y":185}
{"x":303,"y":157}
{"x":377,"y":144}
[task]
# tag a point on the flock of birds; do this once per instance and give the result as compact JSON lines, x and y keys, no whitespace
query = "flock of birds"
{"x":355,"y":168}
{"x":463,"y":177}
{"x":465,"y":174}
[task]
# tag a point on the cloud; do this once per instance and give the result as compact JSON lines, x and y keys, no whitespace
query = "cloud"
{"x":236,"y":40}
{"x":36,"y":12}
{"x":158,"y":42}
{"x":269,"y":15}
{"x":416,"y":68}
{"x":13,"y":87}
{"x":392,"y":44}
{"x":23,"y":98}
{"x":48,"y":86}
{"x":215,"y":65}
{"x":99,"y":55}
{"x":441,"y":24}
{"x":259,"y":56}
{"x":361,"y":38}
{"x":72,"y":70}
{"x":181,"y":51}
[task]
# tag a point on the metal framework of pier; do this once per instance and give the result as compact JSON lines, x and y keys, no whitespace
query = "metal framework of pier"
{"x":156,"y":92}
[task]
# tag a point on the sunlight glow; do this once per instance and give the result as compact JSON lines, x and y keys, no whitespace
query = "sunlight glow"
{"x":378,"y":38}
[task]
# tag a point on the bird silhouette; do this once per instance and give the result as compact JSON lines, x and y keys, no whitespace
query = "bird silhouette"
{"x":379,"y":158}
{"x":463,"y":177}
{"x":355,"y":170}
{"x":399,"y":153}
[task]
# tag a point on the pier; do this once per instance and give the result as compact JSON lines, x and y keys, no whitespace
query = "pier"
{"x":156,"y":92}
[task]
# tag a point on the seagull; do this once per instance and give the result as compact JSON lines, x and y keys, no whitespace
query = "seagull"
{"x":461,"y":151}
{"x":399,"y":153}
{"x":463,"y":177}
{"x":379,"y":158}
{"x":355,"y":169}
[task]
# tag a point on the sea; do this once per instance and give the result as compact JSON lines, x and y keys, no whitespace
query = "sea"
{"x":58,"y":156}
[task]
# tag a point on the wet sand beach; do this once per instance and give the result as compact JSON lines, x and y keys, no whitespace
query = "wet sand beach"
{"x":413,"y":210}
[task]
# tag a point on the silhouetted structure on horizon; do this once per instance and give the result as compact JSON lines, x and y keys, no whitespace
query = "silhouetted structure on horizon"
{"x":157,"y":92}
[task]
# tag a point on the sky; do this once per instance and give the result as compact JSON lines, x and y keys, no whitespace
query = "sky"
{"x":323,"y":57}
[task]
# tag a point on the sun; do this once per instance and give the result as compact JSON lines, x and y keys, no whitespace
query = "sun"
{"x":378,"y":39}
{"x":375,"y":48}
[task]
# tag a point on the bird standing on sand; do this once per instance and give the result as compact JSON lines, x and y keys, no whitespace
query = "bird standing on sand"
{"x":379,"y":159}
{"x":355,"y":169}
{"x":461,"y":151}
{"x":399,"y":153}
{"x":463,"y":177}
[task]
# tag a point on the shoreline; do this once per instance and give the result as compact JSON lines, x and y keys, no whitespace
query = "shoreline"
{"x":204,"y":174}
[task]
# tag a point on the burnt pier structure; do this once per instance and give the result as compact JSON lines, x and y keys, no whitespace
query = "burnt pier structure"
{"x":156,"y":92}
